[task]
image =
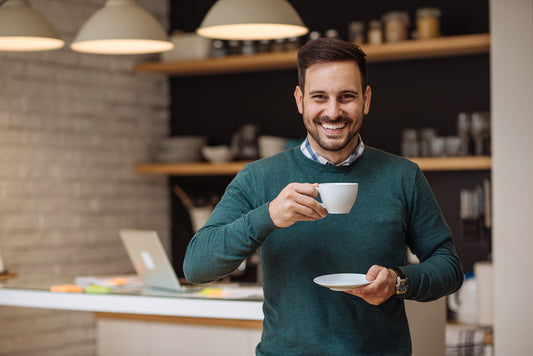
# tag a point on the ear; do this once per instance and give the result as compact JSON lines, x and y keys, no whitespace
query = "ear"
{"x":298,"y":96}
{"x":367,"y":96}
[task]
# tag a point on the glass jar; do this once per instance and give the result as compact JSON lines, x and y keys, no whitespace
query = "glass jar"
{"x":396,"y":23}
{"x":331,"y":33}
{"x":356,"y":32}
{"x":375,"y":32}
{"x":248,"y":48}
{"x":314,"y":35}
{"x":409,"y":143}
{"x":427,"y":22}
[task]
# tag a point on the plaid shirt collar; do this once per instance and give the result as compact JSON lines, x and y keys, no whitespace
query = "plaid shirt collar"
{"x":310,"y":153}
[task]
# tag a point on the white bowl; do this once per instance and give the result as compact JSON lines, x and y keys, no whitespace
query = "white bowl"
{"x":217,"y":154}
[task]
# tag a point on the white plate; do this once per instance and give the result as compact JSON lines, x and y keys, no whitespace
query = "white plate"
{"x":342,"y":282}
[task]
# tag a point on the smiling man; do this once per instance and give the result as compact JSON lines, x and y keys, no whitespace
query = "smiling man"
{"x":272,"y":206}
{"x":335,"y":101}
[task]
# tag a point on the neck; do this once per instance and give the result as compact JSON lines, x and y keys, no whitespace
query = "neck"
{"x":335,"y":157}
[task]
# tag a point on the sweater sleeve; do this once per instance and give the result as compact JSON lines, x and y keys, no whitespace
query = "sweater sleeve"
{"x":236,"y":228}
{"x":429,"y":237}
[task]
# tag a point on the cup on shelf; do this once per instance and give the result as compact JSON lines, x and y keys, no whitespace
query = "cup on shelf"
{"x":437,"y":146}
{"x":452,"y":146}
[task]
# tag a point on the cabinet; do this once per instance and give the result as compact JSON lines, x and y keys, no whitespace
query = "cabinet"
{"x":144,"y":335}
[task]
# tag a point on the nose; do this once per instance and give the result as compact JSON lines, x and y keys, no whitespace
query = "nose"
{"x":333,"y":109}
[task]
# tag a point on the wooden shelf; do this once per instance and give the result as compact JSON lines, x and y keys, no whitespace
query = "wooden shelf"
{"x":191,"y":168}
{"x":231,"y":168}
{"x":405,"y":50}
{"x":469,"y":163}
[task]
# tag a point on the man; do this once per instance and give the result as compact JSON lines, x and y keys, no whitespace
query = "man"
{"x":271,"y":205}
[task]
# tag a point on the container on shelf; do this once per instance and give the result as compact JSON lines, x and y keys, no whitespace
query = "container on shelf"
{"x":410,"y":146}
{"x":396,"y":24}
{"x":375,"y":32}
{"x":331,"y":33}
{"x":356,"y":32}
{"x":248,"y":48}
{"x":217,"y":49}
{"x":426,"y":137}
{"x":428,"y":23}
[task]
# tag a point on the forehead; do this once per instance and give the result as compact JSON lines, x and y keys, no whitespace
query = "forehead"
{"x":329,"y":76}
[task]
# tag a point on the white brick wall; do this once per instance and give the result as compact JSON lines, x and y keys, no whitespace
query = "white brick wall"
{"x":72,"y":126}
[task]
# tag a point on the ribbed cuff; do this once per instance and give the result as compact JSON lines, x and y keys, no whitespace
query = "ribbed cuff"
{"x":261,"y":223}
{"x":412,"y":272}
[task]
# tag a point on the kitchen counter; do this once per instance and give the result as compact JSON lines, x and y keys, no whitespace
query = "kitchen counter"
{"x":146,"y":302}
{"x":155,"y":322}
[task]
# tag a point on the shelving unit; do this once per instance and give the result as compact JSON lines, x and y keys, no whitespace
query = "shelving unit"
{"x":231,"y":168}
{"x":406,"y":50}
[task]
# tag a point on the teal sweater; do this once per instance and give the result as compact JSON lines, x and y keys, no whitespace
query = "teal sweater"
{"x":395,"y":208}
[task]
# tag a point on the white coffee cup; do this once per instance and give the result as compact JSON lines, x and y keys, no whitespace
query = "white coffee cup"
{"x":338,"y":198}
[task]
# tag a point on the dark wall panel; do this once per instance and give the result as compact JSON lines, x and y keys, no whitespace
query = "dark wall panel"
{"x":417,"y":94}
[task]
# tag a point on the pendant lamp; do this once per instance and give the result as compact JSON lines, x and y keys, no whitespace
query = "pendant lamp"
{"x":121,"y":27}
{"x":24,"y":29}
{"x":251,"y":20}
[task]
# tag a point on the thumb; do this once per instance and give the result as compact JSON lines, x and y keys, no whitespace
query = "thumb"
{"x":373,"y":272}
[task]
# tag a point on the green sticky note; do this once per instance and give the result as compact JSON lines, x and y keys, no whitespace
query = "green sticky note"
{"x":97,"y":289}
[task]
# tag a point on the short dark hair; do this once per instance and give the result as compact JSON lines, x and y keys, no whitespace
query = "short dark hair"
{"x":324,"y":50}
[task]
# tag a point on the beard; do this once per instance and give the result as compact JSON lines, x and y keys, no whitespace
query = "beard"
{"x":325,"y":143}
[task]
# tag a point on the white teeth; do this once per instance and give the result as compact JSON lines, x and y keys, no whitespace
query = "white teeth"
{"x":333,"y":127}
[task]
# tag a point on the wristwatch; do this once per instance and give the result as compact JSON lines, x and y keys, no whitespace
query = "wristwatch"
{"x":401,"y":281}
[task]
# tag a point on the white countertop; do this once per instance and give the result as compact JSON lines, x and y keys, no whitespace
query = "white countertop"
{"x":161,"y":304}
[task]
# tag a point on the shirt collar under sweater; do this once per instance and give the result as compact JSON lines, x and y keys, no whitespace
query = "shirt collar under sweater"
{"x":310,"y":153}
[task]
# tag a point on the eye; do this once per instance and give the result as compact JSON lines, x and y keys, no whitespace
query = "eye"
{"x":347,"y":97}
{"x":318,"y":97}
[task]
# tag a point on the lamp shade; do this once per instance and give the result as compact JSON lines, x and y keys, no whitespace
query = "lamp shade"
{"x":24,"y":29}
{"x":121,"y":27}
{"x":251,"y":20}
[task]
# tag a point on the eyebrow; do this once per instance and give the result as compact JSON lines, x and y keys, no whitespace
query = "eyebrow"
{"x":318,"y":91}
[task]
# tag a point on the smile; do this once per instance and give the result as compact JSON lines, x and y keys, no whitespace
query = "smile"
{"x":338,"y":126}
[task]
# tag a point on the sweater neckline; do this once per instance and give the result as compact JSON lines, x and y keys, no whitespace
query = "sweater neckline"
{"x":307,"y":161}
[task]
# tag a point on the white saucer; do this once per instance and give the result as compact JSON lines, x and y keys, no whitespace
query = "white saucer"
{"x":342,"y":282}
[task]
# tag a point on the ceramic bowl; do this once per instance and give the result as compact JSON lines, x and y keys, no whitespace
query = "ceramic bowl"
{"x":217,"y":154}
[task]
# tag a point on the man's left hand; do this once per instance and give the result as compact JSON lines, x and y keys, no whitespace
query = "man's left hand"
{"x":382,"y":287}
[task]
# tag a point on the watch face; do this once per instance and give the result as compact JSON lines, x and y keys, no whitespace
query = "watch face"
{"x":401,"y":286}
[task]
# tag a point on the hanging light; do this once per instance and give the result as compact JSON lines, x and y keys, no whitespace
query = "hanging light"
{"x":251,"y":20}
{"x":121,"y":27}
{"x":24,"y":29}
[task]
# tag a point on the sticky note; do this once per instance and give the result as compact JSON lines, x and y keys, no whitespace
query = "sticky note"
{"x":66,"y":288}
{"x":213,"y":293}
{"x":97,"y":289}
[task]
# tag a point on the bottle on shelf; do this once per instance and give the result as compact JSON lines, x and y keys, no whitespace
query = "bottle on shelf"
{"x":375,"y":32}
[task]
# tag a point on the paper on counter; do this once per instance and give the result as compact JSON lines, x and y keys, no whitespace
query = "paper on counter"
{"x":115,"y":282}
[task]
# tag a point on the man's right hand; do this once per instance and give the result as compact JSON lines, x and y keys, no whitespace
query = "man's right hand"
{"x":296,"y":202}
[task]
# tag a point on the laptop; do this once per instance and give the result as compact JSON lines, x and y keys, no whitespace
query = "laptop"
{"x":150,"y":260}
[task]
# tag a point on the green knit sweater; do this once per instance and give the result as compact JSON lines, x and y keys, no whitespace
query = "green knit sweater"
{"x":395,"y":208}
